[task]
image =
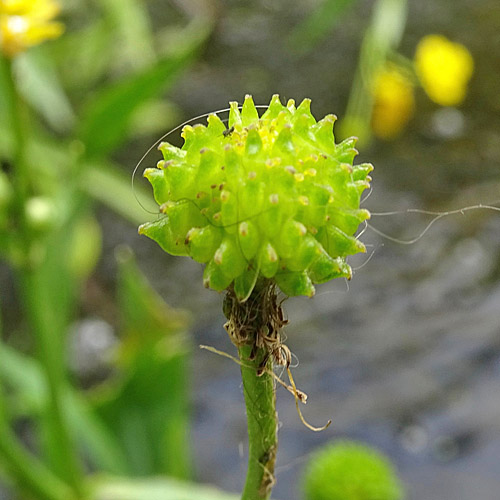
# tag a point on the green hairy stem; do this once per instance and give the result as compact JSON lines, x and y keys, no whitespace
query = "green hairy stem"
{"x":262,"y":421}
{"x":254,"y":327}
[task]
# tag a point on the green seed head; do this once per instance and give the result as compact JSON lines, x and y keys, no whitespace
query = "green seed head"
{"x":270,"y":196}
{"x":351,"y":471}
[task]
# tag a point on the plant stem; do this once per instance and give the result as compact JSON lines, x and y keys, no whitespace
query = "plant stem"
{"x":29,"y":472}
{"x":25,"y":468}
{"x":20,"y":176}
{"x":47,"y":321}
{"x":260,"y":401}
{"x":49,"y":328}
{"x":253,"y":326}
{"x":14,"y":105}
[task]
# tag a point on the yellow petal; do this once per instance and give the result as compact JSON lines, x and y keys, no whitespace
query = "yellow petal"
{"x":444,"y":69}
{"x":394,"y":102}
{"x":24,"y":23}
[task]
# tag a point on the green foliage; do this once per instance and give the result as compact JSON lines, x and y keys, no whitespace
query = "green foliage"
{"x":106,"y":119}
{"x":145,"y":405}
{"x":109,"y":488}
{"x":285,"y":207}
{"x":350,"y":471}
{"x":40,"y":85}
{"x":64,"y":107}
{"x":271,"y":196}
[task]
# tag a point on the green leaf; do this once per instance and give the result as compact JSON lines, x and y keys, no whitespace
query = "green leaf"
{"x":133,"y":31}
{"x":24,"y":377}
{"x":382,"y":36}
{"x":88,"y":49}
{"x":108,"y":184}
{"x":152,"y":117}
{"x":106,"y":118}
{"x":102,"y":180}
{"x":155,"y":489}
{"x":5,"y":128}
{"x":28,"y":396}
{"x":146,"y":405}
{"x":39,"y":84}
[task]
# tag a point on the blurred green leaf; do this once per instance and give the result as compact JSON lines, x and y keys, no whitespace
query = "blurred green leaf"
{"x":383,"y":35}
{"x":153,"y":117}
{"x":39,"y":84}
{"x":84,"y":56}
{"x":388,"y":23}
{"x":28,"y":396}
{"x":319,"y":23}
{"x":145,"y":315}
{"x":24,"y":377}
{"x":108,"y":184}
{"x":106,"y":118}
{"x":85,"y":248}
{"x":6,"y":134}
{"x":155,"y":489}
{"x":131,"y":25}
{"x":48,"y":293}
{"x":147,"y":405}
{"x":100,"y":445}
{"x":101,"y":180}
{"x":3,"y":101}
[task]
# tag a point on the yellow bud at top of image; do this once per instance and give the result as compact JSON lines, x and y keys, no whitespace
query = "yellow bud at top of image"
{"x":394,"y":102}
{"x":444,"y":69}
{"x":25,"y":23}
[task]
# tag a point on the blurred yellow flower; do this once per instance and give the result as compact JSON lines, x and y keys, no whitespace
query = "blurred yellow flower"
{"x":394,"y":102}
{"x":24,"y":23}
{"x":444,"y":69}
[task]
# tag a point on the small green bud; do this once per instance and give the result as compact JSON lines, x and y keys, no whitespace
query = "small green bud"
{"x":270,"y":196}
{"x":350,"y":471}
{"x":85,"y":247}
{"x":40,"y":213}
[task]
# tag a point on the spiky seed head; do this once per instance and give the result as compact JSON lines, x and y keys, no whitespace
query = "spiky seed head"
{"x":275,"y":198}
{"x":350,"y":471}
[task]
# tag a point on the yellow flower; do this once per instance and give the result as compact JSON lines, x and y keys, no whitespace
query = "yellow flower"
{"x":394,"y":102}
{"x":444,"y":69}
{"x":24,"y":23}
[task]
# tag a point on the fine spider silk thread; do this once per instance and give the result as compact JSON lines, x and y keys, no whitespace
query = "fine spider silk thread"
{"x":175,"y":129}
{"x":286,"y":276}
{"x":436,"y":215}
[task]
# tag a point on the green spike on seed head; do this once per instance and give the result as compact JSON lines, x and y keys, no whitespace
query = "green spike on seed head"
{"x":270,"y":197}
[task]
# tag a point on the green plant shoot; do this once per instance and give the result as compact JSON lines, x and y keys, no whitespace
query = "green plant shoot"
{"x":265,"y":202}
